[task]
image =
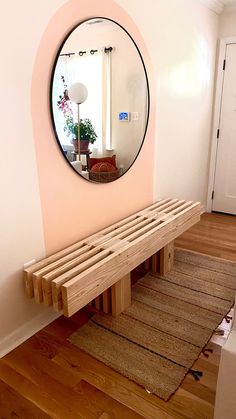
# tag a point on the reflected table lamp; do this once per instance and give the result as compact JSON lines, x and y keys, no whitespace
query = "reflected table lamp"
{"x":78,"y":93}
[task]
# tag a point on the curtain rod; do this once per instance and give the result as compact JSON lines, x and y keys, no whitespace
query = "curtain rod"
{"x":81,"y":53}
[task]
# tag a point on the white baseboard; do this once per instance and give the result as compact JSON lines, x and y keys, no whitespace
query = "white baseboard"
{"x":25,"y":331}
{"x":203,"y":209}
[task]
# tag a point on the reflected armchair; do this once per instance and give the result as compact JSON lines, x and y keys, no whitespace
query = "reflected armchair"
{"x":103,"y":169}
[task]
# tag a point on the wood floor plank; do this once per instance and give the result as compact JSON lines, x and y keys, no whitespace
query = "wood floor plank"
{"x":31,"y":392}
{"x":213,"y":235}
{"x":191,"y":406}
{"x":198,"y":389}
{"x":13,"y":405}
{"x":67,"y":326}
{"x":105,"y":379}
{"x":36,"y":364}
{"x":112,"y":408}
{"x":125,"y":391}
{"x":53,"y":379}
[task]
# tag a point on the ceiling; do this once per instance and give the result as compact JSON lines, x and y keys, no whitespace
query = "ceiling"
{"x":220,"y":6}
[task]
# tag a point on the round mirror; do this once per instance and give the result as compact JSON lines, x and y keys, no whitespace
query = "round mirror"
{"x":99,"y":100}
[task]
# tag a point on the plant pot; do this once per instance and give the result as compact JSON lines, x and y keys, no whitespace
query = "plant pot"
{"x":74,"y":141}
{"x":84,"y":145}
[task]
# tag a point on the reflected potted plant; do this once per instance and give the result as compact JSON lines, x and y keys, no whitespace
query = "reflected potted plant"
{"x":87,"y":131}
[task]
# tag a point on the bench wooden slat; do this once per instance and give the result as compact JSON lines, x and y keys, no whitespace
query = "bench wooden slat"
{"x":57,"y":283}
{"x":58,"y":266}
{"x":161,"y":205}
{"x":77,"y":292}
{"x":115,"y":232}
{"x":60,"y":270}
{"x":89,"y":269}
{"x":182,"y":207}
{"x":27,"y":275}
{"x":175,"y":206}
{"x":28,"y":279}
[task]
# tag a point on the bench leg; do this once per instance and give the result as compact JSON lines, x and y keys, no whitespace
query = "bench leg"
{"x":147,"y":264}
{"x":121,"y":295}
{"x":98,"y":302}
{"x":155,"y":263}
{"x":166,"y":258}
{"x":106,"y":301}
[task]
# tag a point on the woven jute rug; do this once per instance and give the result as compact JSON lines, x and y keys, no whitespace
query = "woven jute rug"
{"x":156,"y":341}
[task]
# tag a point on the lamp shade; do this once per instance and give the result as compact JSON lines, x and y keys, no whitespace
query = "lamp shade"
{"x":78,"y":93}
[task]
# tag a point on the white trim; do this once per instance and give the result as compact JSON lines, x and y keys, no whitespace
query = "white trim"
{"x":203,"y":209}
{"x":25,"y":331}
{"x":215,"y":5}
{"x":216,"y":118}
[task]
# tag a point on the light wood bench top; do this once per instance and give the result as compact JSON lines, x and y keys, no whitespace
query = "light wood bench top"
{"x":73,"y":277}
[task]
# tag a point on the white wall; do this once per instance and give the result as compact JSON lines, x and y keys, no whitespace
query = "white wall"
{"x":21,"y":233}
{"x":181,"y":36}
{"x":227,"y":25}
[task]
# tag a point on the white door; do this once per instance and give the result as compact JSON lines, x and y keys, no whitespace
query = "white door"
{"x":225,"y":174}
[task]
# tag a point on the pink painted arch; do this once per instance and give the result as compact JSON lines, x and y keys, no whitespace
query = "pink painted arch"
{"x":72,"y":207}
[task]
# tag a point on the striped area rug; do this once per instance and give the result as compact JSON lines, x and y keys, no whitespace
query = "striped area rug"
{"x":156,"y":341}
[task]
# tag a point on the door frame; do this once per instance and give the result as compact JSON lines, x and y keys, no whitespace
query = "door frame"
{"x":216,"y":115}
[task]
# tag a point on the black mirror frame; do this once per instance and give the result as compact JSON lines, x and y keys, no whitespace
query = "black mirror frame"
{"x":51,"y":89}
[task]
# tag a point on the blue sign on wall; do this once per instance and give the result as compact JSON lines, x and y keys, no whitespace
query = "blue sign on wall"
{"x":124,"y":116}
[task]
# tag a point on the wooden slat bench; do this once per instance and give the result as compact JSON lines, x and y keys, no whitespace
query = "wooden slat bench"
{"x":98,"y":267}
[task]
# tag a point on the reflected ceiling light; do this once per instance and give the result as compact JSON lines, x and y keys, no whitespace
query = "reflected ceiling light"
{"x":78,"y":93}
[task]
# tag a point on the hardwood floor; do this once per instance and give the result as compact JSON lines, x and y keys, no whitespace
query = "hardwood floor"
{"x":47,"y":377}
{"x":215,"y":235}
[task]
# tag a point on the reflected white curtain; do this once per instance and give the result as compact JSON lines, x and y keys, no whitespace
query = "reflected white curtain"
{"x":107,"y":101}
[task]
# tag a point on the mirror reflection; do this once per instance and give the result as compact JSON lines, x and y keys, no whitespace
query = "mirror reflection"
{"x":100,"y":80}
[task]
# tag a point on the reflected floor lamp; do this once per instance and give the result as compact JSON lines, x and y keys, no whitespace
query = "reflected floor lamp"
{"x":78,"y":93}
